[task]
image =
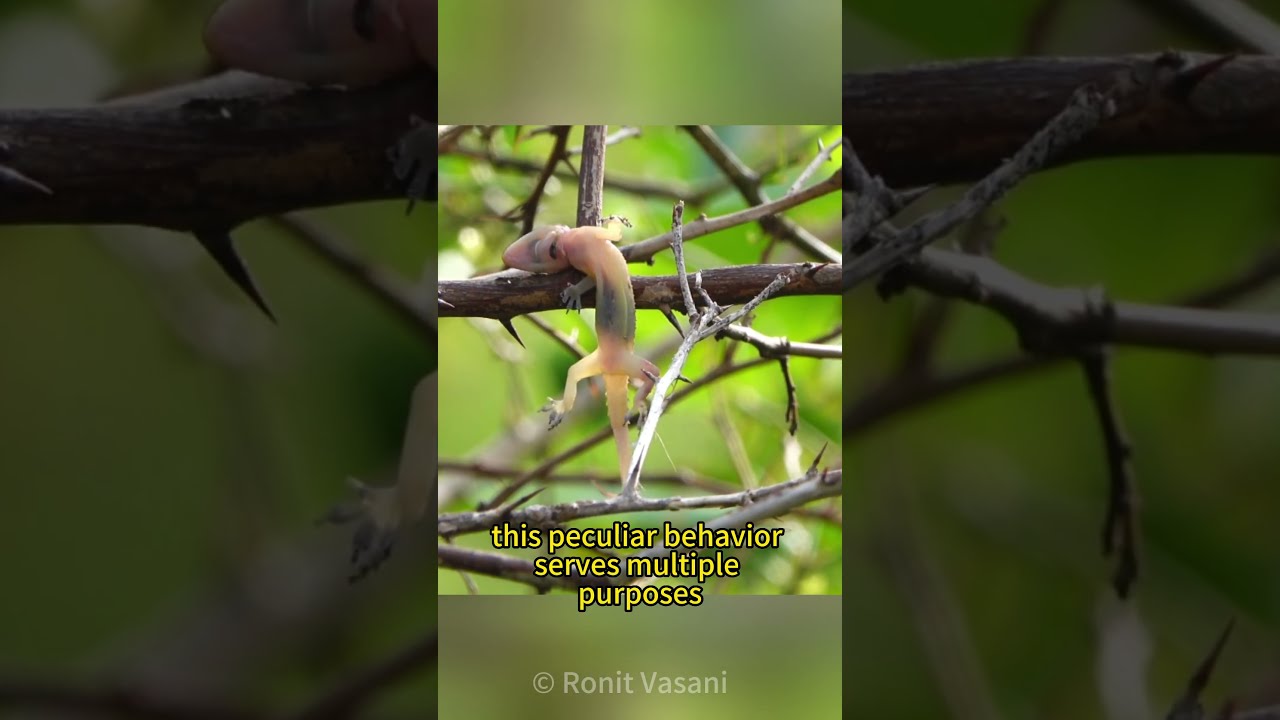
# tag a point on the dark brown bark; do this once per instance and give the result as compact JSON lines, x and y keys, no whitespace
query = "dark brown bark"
{"x":206,"y":155}
{"x":955,"y":121}
{"x":512,"y":293}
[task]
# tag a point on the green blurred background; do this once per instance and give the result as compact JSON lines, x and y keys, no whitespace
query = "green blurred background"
{"x":977,"y":584}
{"x":165,"y":450}
{"x":645,"y":63}
{"x":756,"y":645}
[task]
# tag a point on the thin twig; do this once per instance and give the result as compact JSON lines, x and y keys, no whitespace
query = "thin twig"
{"x":867,"y":201}
{"x":900,"y":395}
{"x":703,"y":324}
{"x":748,"y":184}
{"x":393,"y":291}
{"x":1119,"y":532}
{"x":647,"y":248}
{"x":605,"y":433}
{"x":781,"y":347}
{"x":1048,"y":318}
{"x":677,"y":249}
{"x":814,"y":485}
{"x":528,"y":210}
{"x":823,"y":156}
{"x":348,"y":698}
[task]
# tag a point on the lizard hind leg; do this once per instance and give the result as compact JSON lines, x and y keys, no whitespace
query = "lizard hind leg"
{"x":588,"y":366}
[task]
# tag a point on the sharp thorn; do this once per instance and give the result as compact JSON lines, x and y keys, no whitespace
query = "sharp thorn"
{"x":506,"y":323}
{"x":671,"y":317}
{"x":220,"y":247}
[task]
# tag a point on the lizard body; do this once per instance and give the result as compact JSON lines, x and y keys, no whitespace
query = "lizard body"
{"x":590,"y":249}
{"x":346,"y":42}
{"x":324,"y":41}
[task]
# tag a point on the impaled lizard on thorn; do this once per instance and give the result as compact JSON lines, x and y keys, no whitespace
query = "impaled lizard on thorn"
{"x":552,"y":248}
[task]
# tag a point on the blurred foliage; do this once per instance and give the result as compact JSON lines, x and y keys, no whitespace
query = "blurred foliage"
{"x":731,"y":638}
{"x":644,"y":63}
{"x":491,"y":388}
{"x":1000,"y":489}
{"x":160,"y":439}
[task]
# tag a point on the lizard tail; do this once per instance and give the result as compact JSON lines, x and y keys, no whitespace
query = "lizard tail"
{"x":615,"y":398}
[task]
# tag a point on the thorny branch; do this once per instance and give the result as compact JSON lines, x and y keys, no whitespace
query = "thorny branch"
{"x":1051,"y":321}
{"x":703,"y":324}
{"x":492,"y":295}
{"x":1087,"y":108}
{"x":1048,"y":318}
{"x":906,"y":392}
{"x":949,"y":122}
{"x":303,"y":149}
{"x":453,"y":524}
{"x":751,"y":506}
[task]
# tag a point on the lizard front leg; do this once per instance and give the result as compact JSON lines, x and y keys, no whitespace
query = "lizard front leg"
{"x":348,"y":42}
{"x":413,"y":162}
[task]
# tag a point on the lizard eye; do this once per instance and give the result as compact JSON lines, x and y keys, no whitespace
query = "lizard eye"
{"x":554,"y":250}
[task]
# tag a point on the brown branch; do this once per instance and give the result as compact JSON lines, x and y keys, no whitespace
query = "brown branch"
{"x":780,"y":347}
{"x":393,"y":291}
{"x":449,"y":525}
{"x":493,"y":564}
{"x":50,"y":697}
{"x":1057,"y":319}
{"x":695,"y":194}
{"x":908,"y":392}
{"x":1119,"y":532}
{"x":591,"y":177}
{"x":698,"y":227}
{"x":484,"y":471}
{"x":513,"y":292}
{"x":210,"y":154}
{"x":348,"y":698}
{"x":528,"y":210}
{"x":747,"y":183}
{"x":955,"y":121}
{"x":643,"y":187}
{"x":1083,"y":112}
